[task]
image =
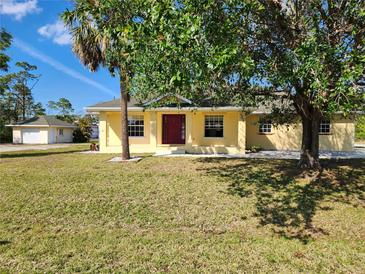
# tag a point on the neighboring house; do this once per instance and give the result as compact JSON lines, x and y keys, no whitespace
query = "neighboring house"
{"x":206,"y":129}
{"x":42,"y":130}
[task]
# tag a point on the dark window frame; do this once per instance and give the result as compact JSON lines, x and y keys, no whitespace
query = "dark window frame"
{"x":136,"y":126}
{"x":265,"y":127}
{"x":214,"y":126}
{"x":325,"y":127}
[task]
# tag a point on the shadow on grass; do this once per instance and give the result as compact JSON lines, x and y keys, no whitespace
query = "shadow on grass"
{"x":36,"y":153}
{"x":287,"y":198}
{"x":4,"y":242}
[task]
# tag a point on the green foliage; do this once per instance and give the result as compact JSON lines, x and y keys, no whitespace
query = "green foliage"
{"x":360,"y":128}
{"x":16,"y":100}
{"x":67,"y":118}
{"x":5,"y":42}
{"x":6,"y":133}
{"x":64,"y":110}
{"x":83,"y":133}
{"x":103,"y":35}
{"x":246,"y":52}
{"x":63,"y":106}
{"x":255,"y":148}
{"x":192,"y":49}
{"x":240,"y":52}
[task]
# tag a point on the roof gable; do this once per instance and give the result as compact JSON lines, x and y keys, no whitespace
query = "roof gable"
{"x":168,"y":100}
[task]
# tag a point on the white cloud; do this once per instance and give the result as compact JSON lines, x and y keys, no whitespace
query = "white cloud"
{"x":59,"y":66}
{"x":19,"y":9}
{"x":57,"y":32}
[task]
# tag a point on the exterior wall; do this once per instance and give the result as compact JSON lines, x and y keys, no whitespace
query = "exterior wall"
{"x":227,"y":144}
{"x":240,"y":132}
{"x":17,"y":135}
{"x":65,"y":138}
{"x":281,"y":138}
{"x":48,"y":135}
{"x":289,"y":138}
{"x":342,"y":137}
{"x":110,"y":128}
{"x":52,"y":135}
{"x":44,"y":134}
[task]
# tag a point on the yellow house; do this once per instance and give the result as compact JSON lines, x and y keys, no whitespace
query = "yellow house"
{"x":206,"y":129}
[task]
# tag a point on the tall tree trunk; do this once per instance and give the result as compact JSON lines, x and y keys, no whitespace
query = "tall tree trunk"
{"x":124,"y":115}
{"x":23,"y":107}
{"x":309,"y":155}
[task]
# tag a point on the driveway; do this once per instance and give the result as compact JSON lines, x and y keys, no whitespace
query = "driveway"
{"x":19,"y":147}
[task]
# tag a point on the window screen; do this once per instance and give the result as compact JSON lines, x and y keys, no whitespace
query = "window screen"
{"x":265,"y":127}
{"x":213,"y":126}
{"x":136,"y":126}
{"x":325,"y":127}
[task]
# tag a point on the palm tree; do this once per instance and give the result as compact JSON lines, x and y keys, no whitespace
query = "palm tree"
{"x":94,"y":49}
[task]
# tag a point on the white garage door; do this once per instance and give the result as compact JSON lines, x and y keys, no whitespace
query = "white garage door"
{"x":31,"y":136}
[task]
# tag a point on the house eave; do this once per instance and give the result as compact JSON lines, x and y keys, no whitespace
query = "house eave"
{"x":117,"y":109}
{"x":27,"y":125}
{"x":43,"y":126}
{"x":96,"y":110}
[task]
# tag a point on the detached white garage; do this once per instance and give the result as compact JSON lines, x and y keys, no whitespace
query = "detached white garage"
{"x":42,"y":130}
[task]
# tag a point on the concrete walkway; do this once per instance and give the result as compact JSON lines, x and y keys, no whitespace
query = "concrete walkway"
{"x":358,"y":153}
{"x":20,"y":147}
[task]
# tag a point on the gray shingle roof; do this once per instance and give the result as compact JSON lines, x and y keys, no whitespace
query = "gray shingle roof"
{"x":134,"y":103}
{"x":262,"y":108}
{"x":44,"y":121}
{"x":116,"y":103}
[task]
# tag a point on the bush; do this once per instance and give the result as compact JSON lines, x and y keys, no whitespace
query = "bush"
{"x":83,"y":133}
{"x":79,"y":137}
{"x":6,"y":134}
{"x":255,"y":149}
{"x":360,"y":128}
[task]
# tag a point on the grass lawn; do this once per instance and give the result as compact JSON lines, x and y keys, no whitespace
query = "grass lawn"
{"x":67,"y":212}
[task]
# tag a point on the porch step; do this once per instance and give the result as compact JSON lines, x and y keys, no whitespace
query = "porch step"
{"x":169,"y":151}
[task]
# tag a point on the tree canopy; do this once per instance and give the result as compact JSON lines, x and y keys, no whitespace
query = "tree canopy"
{"x":63,"y":106}
{"x":16,"y":84}
{"x":308,"y":53}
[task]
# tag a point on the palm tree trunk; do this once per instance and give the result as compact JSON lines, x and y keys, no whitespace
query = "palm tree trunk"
{"x":124,"y":115}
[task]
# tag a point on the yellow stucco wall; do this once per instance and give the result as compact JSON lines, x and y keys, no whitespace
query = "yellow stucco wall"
{"x":289,"y":138}
{"x":240,"y":132}
{"x":110,"y":128}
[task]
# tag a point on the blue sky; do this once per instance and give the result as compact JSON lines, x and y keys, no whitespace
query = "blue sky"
{"x":41,"y":40}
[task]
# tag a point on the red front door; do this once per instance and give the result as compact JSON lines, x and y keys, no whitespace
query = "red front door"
{"x":173,"y":129}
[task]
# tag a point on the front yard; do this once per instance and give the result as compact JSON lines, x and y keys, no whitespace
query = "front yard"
{"x":67,"y":212}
